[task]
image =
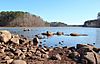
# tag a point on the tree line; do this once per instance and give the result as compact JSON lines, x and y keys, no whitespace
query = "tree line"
{"x":20,"y":19}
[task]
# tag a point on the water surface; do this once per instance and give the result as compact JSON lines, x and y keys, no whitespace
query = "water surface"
{"x":93,"y":35}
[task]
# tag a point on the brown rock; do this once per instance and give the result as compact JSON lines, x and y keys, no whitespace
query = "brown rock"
{"x":48,"y":33}
{"x":60,"y":33}
{"x":90,"y":57}
{"x":5,"y":35}
{"x":75,"y":34}
{"x":7,"y":58}
{"x":35,"y":41}
{"x":18,"y":52}
{"x":58,"y":57}
{"x":2,"y":49}
{"x":9,"y":61}
{"x":15,"y":39}
{"x":19,"y":62}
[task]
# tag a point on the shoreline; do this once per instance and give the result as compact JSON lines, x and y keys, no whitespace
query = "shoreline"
{"x":21,"y":50}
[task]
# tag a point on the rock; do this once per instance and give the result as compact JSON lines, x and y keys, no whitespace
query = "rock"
{"x":15,"y":39}
{"x":29,"y":54}
{"x":74,"y":55}
{"x":9,"y":61}
{"x":60,"y":33}
{"x":40,"y":36}
{"x":48,"y":33}
{"x":42,"y":51}
{"x":97,"y":57}
{"x":19,"y":62}
{"x":6,"y":61}
{"x":83,"y":35}
{"x":45,"y":56}
{"x":90,"y":57}
{"x":22,"y":56}
{"x":79,"y":46}
{"x":83,"y":50}
{"x":5,"y":36}
{"x":7,"y":58}
{"x":18,"y":52}
{"x":55,"y":57}
{"x":25,"y":29}
{"x":33,"y":49}
{"x":86,"y":47}
{"x":10,"y":54}
{"x":76,"y":34}
{"x":96,"y":50}
{"x":58,"y":57}
{"x":24,"y":41}
{"x":2,"y":49}
{"x":38,"y":53}
{"x":24,"y":49}
{"x":50,"y":49}
{"x":36,"y":41}
{"x":37,"y":58}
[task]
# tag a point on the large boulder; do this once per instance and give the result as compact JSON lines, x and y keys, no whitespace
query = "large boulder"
{"x":19,"y":62}
{"x":5,"y":36}
{"x":90,"y":57}
{"x":93,"y":57}
{"x":89,"y":47}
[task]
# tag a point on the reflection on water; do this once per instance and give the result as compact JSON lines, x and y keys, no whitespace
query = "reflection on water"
{"x":93,"y":35}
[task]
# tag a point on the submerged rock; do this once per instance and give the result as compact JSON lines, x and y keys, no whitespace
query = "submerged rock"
{"x":60,"y":33}
{"x":48,"y":33}
{"x":77,"y":34}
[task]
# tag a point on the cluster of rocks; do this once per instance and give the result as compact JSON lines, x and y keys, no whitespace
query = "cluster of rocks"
{"x":62,"y":33}
{"x":20,"y":50}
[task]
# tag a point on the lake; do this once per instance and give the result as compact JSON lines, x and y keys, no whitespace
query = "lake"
{"x":93,"y":35}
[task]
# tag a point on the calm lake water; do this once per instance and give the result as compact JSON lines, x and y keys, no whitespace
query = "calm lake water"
{"x":93,"y":35}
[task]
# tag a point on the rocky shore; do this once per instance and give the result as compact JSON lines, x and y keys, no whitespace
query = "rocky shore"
{"x":15,"y":49}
